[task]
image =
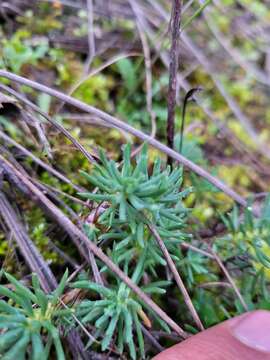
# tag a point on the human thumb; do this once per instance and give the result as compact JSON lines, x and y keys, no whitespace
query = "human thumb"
{"x":246,"y":337}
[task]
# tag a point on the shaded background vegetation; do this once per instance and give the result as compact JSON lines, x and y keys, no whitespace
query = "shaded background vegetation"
{"x":114,"y":55}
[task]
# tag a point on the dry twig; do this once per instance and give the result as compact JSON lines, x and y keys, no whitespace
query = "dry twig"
{"x":176,"y":276}
{"x":174,"y":59}
{"x":125,"y":127}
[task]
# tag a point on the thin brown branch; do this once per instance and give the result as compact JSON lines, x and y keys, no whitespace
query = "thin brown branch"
{"x":64,"y":194}
{"x":152,"y":339}
{"x":148,"y":71}
{"x":37,"y":264}
{"x":234,"y":53}
{"x":15,"y":180}
{"x":91,"y":36}
{"x":147,"y":62}
{"x":176,"y":276}
{"x":63,"y":255}
{"x":96,"y":273}
{"x":38,"y":125}
{"x":230,"y":280}
{"x":231,"y":102}
{"x":40,"y":129}
{"x":41,"y":163}
{"x":195,"y":249}
{"x":50,"y":120}
{"x":46,"y":190}
{"x":82,"y":249}
{"x":29,"y":251}
{"x":174,"y":60}
{"x":125,"y":127}
{"x":164,"y":56}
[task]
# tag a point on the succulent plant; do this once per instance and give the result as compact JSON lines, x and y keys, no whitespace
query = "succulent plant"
{"x":28,"y":321}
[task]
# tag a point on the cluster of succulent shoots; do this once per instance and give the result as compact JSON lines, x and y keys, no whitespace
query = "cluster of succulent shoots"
{"x":251,"y":235}
{"x":128,"y":198}
{"x":30,"y":321}
{"x":131,"y":197}
{"x":118,"y":314}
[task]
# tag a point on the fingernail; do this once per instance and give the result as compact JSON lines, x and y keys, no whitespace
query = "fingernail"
{"x":254,"y":330}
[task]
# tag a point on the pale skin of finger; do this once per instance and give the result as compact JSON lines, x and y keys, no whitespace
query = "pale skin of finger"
{"x":222,"y":342}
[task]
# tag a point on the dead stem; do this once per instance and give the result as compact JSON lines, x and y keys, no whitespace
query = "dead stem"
{"x":176,"y":276}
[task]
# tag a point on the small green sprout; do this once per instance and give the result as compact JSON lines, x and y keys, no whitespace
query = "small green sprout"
{"x":28,"y":321}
